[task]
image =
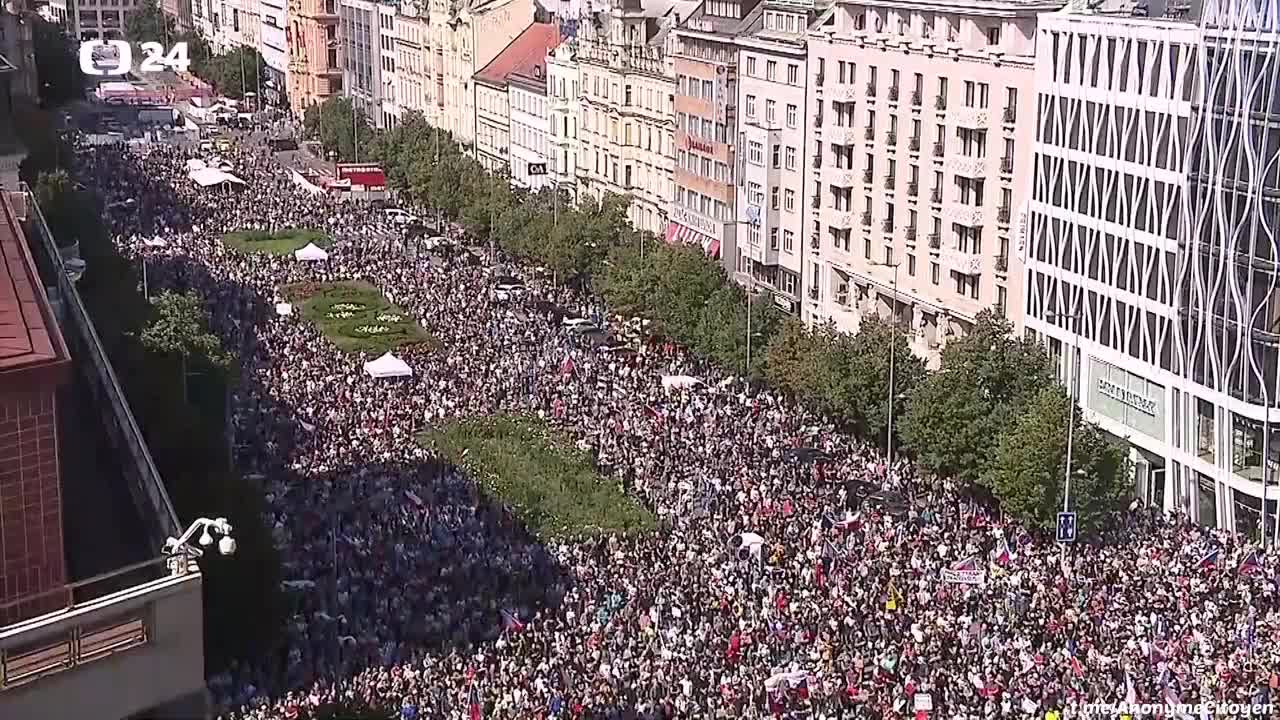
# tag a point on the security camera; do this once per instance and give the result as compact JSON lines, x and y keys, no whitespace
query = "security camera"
{"x":227,"y":545}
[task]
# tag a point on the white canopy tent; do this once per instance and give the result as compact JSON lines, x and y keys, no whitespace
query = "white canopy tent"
{"x":679,"y":382}
{"x":388,"y":366}
{"x":209,"y":177}
{"x":195,"y":164}
{"x":311,"y":253}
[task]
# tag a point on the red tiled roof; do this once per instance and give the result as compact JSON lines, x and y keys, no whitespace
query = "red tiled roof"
{"x":526,"y":52}
{"x":26,"y":339}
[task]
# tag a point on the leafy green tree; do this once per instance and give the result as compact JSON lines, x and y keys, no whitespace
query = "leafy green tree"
{"x":341,"y":128}
{"x":235,"y":72}
{"x":1028,"y":469}
{"x":148,"y":23}
{"x":179,"y":328}
{"x":870,"y":368}
{"x":57,"y":63}
{"x":67,"y":209}
{"x":955,"y":417}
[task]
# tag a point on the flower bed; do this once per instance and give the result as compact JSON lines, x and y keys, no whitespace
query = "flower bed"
{"x":355,"y":316}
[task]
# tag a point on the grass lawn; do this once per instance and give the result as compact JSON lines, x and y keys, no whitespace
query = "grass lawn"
{"x":553,"y":487}
{"x":355,"y":316}
{"x":280,"y":242}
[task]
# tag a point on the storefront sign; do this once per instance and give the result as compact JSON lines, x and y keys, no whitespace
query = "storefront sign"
{"x":1128,"y":397}
{"x":692,"y":220}
{"x":1132,"y":400}
{"x":703,"y":147}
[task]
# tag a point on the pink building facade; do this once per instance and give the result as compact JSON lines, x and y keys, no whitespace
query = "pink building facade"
{"x":919,"y":155}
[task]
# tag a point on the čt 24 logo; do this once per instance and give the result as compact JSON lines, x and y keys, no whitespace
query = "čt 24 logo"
{"x":115,"y":57}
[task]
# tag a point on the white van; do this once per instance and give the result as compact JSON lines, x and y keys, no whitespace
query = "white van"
{"x":400,"y":217}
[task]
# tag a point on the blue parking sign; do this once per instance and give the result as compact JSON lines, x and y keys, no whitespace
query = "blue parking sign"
{"x":1066,"y":527}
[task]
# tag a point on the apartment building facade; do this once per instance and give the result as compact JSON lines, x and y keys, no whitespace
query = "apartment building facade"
{"x":704,"y":205}
{"x":527,"y":98}
{"x":523,"y":62}
{"x":770,"y":248}
{"x":274,"y":18}
{"x":1228,"y":337}
{"x":919,"y":163}
{"x":315,"y":62}
{"x":465,"y":36}
{"x":564,"y":85}
{"x":414,"y":84}
{"x":1101,"y":253}
{"x":627,"y":107}
{"x":1153,"y":255}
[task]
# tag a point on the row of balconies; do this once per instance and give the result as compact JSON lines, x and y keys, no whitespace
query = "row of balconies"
{"x":960,"y":213}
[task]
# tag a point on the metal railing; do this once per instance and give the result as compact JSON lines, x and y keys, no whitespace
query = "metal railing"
{"x":88,"y":630}
{"x":144,"y":481}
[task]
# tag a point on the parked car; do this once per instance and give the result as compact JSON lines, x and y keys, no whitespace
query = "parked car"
{"x":400,"y":217}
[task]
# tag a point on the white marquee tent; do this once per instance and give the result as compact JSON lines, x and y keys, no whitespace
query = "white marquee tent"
{"x":311,"y":253}
{"x":210,"y":177}
{"x":388,"y":366}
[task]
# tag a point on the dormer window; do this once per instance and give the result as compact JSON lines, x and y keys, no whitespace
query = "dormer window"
{"x":859,"y":22}
{"x":993,"y":35}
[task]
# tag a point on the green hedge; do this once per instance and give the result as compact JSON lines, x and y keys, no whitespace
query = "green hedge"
{"x":347,"y":312}
{"x":281,"y":242}
{"x":552,"y":486}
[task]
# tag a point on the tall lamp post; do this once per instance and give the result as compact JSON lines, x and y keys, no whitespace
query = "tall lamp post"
{"x":893,"y":351}
{"x":1072,"y":382}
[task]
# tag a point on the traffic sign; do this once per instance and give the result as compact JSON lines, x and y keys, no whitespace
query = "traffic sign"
{"x":537,"y":168}
{"x":1066,"y":527}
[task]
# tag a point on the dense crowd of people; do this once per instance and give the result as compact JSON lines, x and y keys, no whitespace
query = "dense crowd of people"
{"x":773,"y":586}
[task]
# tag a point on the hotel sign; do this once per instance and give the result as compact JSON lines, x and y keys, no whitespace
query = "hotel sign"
{"x":1132,"y":400}
{"x":703,"y":147}
{"x":694,"y":221}
{"x":1128,"y":397}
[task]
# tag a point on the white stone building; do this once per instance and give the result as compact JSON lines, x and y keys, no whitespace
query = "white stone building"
{"x":564,"y":85}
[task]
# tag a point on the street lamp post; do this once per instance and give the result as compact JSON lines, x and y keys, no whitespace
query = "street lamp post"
{"x":893,"y":351}
{"x":1072,"y":377}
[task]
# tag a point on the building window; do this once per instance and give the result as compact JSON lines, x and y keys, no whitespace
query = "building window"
{"x":935,"y":274}
{"x":770,"y":112}
{"x":791,"y":158}
{"x":789,"y":242}
{"x":791,"y":200}
{"x":911,"y":265}
{"x":755,"y":153}
{"x":751,"y":106}
{"x":770,"y":70}
{"x":993,"y":35}
{"x":866,"y":248}
{"x":773,"y":198}
{"x":793,"y":114}
{"x":751,"y":66}
{"x":777,"y":156}
{"x":793,"y":74}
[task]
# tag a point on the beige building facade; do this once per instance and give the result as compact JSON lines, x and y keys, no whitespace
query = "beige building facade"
{"x":464,"y":38}
{"x":315,"y":64}
{"x":627,"y":135}
{"x":920,"y":151}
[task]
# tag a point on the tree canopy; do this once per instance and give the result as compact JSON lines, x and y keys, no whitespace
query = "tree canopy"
{"x":233,"y":73}
{"x":57,"y":63}
{"x":342,"y":128}
{"x":1028,"y":470}
{"x":148,"y":23}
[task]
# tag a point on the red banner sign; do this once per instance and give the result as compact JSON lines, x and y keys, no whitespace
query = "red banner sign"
{"x":370,"y":176}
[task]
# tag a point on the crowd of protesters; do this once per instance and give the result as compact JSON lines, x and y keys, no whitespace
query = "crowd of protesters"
{"x":774,"y":586}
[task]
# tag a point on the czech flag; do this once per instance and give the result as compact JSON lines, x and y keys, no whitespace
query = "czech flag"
{"x":1250,"y":564}
{"x":1210,"y":560}
{"x":474,"y":709}
{"x":1002,"y":556}
{"x":510,"y":622}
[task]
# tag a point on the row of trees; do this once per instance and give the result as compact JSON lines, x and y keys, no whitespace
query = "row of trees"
{"x":233,"y":73}
{"x":177,"y":379}
{"x":993,"y":416}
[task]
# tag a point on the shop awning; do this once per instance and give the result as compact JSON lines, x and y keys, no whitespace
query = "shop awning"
{"x":678,"y":234}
